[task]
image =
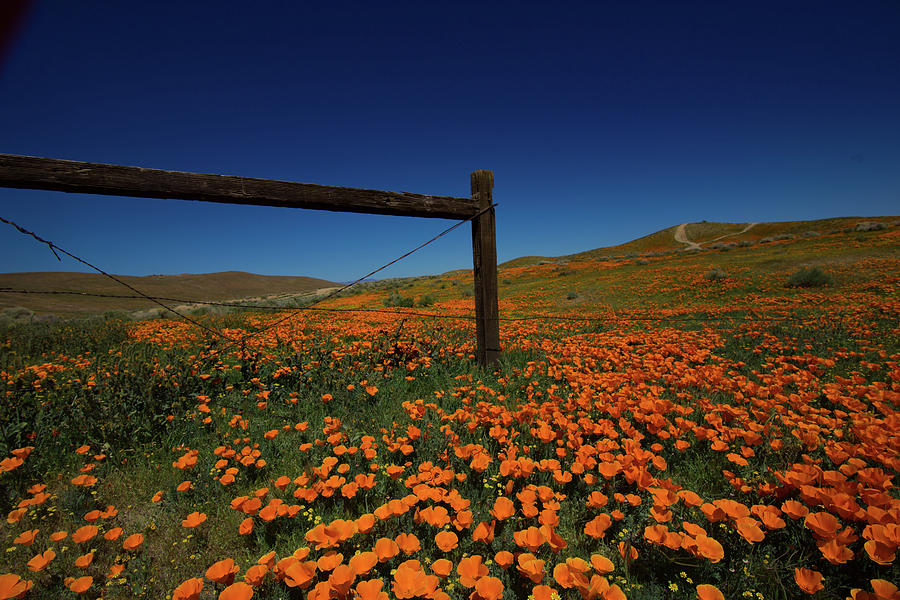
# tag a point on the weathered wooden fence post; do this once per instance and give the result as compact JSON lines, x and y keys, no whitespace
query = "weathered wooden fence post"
{"x":39,"y":173}
{"x":484,"y":255}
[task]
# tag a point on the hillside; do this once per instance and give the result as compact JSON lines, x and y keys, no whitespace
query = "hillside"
{"x":734,"y":269}
{"x":708,"y":233}
{"x":214,"y":287}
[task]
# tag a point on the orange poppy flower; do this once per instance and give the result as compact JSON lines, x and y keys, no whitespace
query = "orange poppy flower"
{"x":329,"y":560}
{"x":531,"y":567}
{"x":531,"y":538}
{"x":565,"y":577}
{"x":690,"y":498}
{"x":748,"y":528}
{"x":823,"y":525}
{"x":709,"y":548}
{"x":386,"y":548}
{"x":601,"y":564}
{"x":446,"y":540}
{"x":363,"y":562}
{"x":26,"y":538}
{"x":341,"y":579}
{"x":298,"y":573}
{"x":370,"y":590}
{"x":489,"y":588}
{"x":809,"y":581}
{"x":411,"y":582}
{"x":709,"y":592}
{"x":408,"y":543}
{"x":193,"y":520}
{"x":133,"y":542}
{"x":503,"y":508}
{"x":85,"y":533}
{"x":543,"y":592}
{"x":470,"y":570}
{"x":365,"y":523}
{"x":442,"y":567}
{"x":223,"y":571}
{"x":79,"y":585}
{"x":40,"y":561}
{"x":85,"y":560}
{"x":246,"y":526}
{"x":794,"y":509}
{"x":189,"y":589}
{"x":835,"y":552}
{"x":879,"y":552}
{"x":114,"y":570}
{"x":504,"y":559}
{"x":484,"y":532}
{"x":596,"y":527}
{"x":13,"y":586}
{"x":237,"y":591}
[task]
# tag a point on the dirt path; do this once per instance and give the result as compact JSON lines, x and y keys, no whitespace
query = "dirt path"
{"x":744,"y":230}
{"x":681,"y":236}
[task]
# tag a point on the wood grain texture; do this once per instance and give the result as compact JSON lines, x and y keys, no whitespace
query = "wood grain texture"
{"x":32,"y":172}
{"x":484,"y":256}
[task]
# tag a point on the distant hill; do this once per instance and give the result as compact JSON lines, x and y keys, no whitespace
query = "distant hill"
{"x":706,"y":234}
{"x":213,"y":287}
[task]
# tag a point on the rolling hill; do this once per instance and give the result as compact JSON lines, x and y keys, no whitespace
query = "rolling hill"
{"x":708,"y":233}
{"x":212,"y":287}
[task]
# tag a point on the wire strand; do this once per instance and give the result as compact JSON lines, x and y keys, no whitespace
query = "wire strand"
{"x":53,"y":248}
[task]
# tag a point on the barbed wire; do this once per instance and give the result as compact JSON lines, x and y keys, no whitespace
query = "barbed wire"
{"x":53,"y":248}
{"x":242,"y":341}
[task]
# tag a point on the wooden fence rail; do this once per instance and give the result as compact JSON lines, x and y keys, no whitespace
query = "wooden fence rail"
{"x":31,"y":172}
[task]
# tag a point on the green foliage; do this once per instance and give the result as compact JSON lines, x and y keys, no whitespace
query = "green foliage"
{"x":715,"y":275}
{"x":809,"y":278}
{"x":426,"y":300}
{"x":396,"y":299}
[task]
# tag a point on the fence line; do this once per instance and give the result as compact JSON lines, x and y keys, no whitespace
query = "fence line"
{"x":41,"y":173}
{"x":156,"y":299}
{"x":296,"y":309}
{"x":53,"y":248}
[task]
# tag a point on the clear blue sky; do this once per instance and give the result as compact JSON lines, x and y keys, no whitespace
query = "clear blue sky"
{"x":602,"y":121}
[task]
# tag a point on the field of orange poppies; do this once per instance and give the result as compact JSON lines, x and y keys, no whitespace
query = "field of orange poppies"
{"x":675,"y":435}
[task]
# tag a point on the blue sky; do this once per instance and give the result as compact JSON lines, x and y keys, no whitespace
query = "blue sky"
{"x":602,"y":122}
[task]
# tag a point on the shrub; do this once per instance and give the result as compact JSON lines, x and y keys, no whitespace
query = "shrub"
{"x":809,"y":277}
{"x":395,"y":299}
{"x":467,"y":292}
{"x":715,"y":275}
{"x":571,"y":295}
{"x":426,"y":300}
{"x":870,"y":226}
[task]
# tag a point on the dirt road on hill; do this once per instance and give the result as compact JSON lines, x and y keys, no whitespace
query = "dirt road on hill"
{"x":681,"y":236}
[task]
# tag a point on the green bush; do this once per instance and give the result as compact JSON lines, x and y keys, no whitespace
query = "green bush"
{"x":426,"y":300}
{"x":809,"y":277}
{"x":395,"y":299}
{"x":715,"y":275}
{"x":571,"y":295}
